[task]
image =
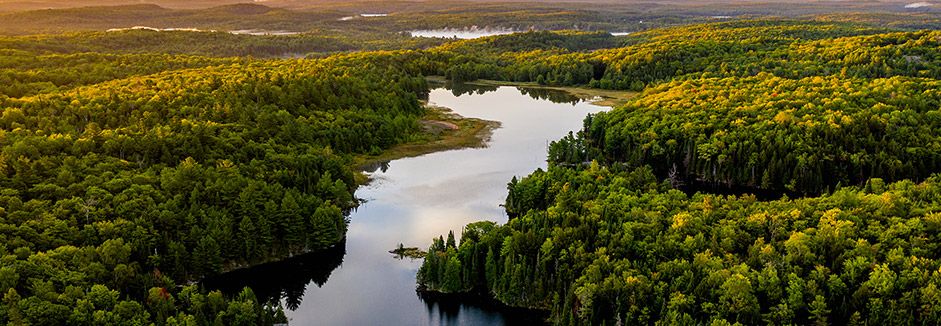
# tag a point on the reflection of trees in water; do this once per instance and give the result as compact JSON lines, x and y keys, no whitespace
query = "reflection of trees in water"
{"x":552,"y":95}
{"x":459,"y":89}
{"x":376,"y":166}
{"x":286,"y":279}
{"x":447,"y":310}
{"x":449,"y":306}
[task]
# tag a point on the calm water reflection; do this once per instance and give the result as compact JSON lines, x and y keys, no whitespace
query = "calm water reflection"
{"x":462,"y":33}
{"x":286,"y":280}
{"x":413,"y":200}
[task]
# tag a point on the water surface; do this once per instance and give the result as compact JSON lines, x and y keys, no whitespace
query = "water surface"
{"x":461,"y":33}
{"x":413,"y":200}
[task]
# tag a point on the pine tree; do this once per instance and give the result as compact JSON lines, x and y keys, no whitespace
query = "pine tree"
{"x":451,"y":244}
{"x":295,"y":228}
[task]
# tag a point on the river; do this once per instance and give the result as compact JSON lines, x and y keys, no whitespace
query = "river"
{"x":413,"y":200}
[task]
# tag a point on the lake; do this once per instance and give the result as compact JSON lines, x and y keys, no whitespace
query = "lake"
{"x":411,"y":201}
{"x":461,"y":33}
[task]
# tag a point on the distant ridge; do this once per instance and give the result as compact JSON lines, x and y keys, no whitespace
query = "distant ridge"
{"x":8,"y":6}
{"x":241,"y":16}
{"x":242,"y":9}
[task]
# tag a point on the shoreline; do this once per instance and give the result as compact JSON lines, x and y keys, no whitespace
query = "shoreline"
{"x":443,"y":131}
{"x":596,"y":96}
{"x":439,"y":134}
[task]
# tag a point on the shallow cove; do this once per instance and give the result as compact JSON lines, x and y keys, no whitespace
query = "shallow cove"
{"x":411,"y":201}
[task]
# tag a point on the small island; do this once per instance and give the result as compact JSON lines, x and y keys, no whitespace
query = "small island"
{"x":402,"y":252}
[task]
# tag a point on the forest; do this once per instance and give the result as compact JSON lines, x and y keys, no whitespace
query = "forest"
{"x":600,"y":245}
{"x":119,"y":186}
{"x":839,"y":120}
{"x":136,"y":163}
{"x":783,"y":106}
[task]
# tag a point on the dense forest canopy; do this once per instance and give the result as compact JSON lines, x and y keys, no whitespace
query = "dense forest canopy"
{"x":134,"y":162}
{"x":776,"y":105}
{"x":599,"y":245}
{"x":215,"y":43}
{"x":131,"y":185}
{"x":843,"y":116}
